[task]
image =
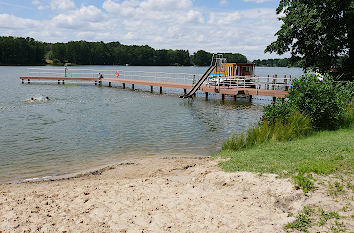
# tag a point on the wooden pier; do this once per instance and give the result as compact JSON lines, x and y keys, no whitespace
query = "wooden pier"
{"x":222,"y":90}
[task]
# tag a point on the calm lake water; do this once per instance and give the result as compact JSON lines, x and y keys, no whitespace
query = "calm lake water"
{"x":84,"y":126}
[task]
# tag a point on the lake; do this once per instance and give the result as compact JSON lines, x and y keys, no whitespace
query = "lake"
{"x":85,"y":126}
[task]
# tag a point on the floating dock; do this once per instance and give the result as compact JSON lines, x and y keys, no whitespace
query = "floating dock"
{"x":262,"y":86}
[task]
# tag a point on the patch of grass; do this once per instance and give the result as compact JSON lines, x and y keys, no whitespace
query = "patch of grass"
{"x":325,"y":216}
{"x":303,"y":220}
{"x":296,"y":125}
{"x":304,"y":181}
{"x":336,"y":188}
{"x":310,"y":216}
{"x":338,"y":227}
{"x":322,"y":153}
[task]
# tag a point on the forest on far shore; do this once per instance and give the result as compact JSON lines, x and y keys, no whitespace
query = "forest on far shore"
{"x":28,"y":51}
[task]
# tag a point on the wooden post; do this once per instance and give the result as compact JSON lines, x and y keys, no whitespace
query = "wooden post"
{"x":123,"y":85}
{"x":63,"y":81}
{"x":285,"y":83}
{"x":95,"y":83}
{"x":28,"y":81}
{"x":223,"y":96}
{"x":185,"y":91}
{"x":206,"y":95}
{"x":273,"y":82}
{"x":267,"y":84}
{"x":151,"y":89}
{"x":235,"y":97}
{"x":22,"y":81}
{"x":133,"y":87}
{"x":160,"y":90}
{"x":109,"y":84}
{"x":100,"y":83}
{"x":274,"y":99}
{"x":58,"y":81}
{"x":250,"y":98}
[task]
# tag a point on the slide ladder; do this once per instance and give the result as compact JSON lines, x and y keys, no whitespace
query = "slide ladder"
{"x":201,"y":80}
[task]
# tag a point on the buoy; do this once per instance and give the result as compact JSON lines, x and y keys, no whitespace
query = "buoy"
{"x":116,"y":73}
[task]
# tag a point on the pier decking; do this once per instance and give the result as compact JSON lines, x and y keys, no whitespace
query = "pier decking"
{"x":237,"y":85}
{"x":204,"y":88}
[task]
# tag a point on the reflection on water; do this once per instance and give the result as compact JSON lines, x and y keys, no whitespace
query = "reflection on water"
{"x":84,"y":126}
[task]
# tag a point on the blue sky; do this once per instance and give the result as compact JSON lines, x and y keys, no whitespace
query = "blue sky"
{"x":244,"y":26}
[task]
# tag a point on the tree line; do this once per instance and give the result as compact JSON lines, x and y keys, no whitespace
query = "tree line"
{"x":27,"y":51}
{"x":277,"y":62}
{"x":21,"y":51}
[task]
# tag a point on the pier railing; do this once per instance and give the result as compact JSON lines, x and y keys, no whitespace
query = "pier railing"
{"x":124,"y":74}
{"x":267,"y":83}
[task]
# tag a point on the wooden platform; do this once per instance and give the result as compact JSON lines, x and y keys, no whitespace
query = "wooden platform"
{"x":205,"y":88}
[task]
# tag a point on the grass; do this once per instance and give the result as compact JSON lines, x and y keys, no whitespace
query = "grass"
{"x":310,"y":216}
{"x":296,"y":126}
{"x":303,"y":220}
{"x":322,"y":153}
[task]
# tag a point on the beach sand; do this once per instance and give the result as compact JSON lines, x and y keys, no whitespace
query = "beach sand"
{"x":152,"y":195}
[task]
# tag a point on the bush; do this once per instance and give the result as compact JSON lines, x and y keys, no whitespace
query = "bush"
{"x":277,"y":111}
{"x":320,"y":100}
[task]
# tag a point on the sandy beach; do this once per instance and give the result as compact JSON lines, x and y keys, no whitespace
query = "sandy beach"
{"x":152,"y":195}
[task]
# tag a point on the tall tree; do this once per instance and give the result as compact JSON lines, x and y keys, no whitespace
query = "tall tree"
{"x":316,"y":33}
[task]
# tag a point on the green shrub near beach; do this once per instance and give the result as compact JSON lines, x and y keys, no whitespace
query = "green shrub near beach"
{"x":323,"y":101}
{"x":312,"y":105}
{"x":292,"y":137}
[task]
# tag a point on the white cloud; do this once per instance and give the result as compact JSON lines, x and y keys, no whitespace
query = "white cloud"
{"x":62,"y":4}
{"x":155,"y":23}
{"x":12,"y":22}
{"x":36,"y":2}
{"x":223,"y":2}
{"x":80,"y":18}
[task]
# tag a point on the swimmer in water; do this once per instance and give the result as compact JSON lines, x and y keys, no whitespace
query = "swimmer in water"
{"x":32,"y":99}
{"x":47,"y":98}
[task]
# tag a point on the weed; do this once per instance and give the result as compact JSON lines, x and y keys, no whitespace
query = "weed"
{"x":303,"y":220}
{"x":335,"y":189}
{"x":304,"y":182}
{"x":346,"y":209}
{"x":325,"y":216}
{"x":338,"y":227}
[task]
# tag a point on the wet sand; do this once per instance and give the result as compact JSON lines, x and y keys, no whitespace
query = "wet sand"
{"x":152,"y":195}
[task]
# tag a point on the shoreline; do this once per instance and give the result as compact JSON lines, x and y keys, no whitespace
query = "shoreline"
{"x":173,"y":194}
{"x":97,"y":169}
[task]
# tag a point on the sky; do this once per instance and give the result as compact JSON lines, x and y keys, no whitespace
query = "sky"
{"x":236,"y":26}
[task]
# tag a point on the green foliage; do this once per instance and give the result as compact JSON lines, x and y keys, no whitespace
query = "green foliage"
{"x":100,"y":53}
{"x":304,"y":181}
{"x":309,"y":217}
{"x":203,"y":58}
{"x":277,"y":112}
{"x":321,"y":153}
{"x":235,"y":57}
{"x":321,"y":101}
{"x":25,"y":51}
{"x":316,"y":33}
{"x":296,"y":125}
{"x":335,"y":189}
{"x":278,"y":62}
{"x":21,"y":51}
{"x":303,"y":220}
{"x":325,"y":216}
